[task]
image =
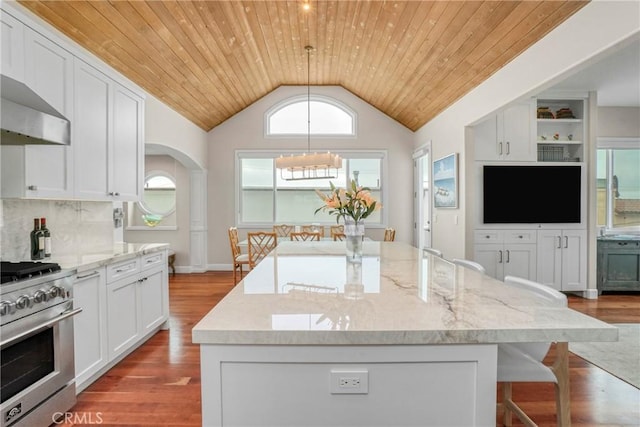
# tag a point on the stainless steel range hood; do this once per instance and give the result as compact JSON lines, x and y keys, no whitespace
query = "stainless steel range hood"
{"x":26,"y":118}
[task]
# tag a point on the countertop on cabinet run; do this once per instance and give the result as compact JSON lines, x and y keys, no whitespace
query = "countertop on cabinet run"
{"x":306,"y":293}
{"x":119,"y":252}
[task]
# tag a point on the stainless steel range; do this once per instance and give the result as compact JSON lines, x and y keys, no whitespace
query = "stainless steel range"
{"x":36,"y":329}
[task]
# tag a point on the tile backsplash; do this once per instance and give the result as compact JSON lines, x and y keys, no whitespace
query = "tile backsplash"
{"x":75,"y":226}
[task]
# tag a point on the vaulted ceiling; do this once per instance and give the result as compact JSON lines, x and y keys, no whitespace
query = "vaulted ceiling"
{"x":208,"y":60}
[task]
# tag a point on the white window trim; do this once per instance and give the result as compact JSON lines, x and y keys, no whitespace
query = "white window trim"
{"x":272,"y":154}
{"x":314,"y":97}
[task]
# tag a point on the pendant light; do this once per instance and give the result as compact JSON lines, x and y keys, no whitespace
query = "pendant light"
{"x":309,"y":165}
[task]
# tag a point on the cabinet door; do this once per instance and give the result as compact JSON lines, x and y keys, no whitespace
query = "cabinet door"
{"x":127,"y":149}
{"x":122,"y":304}
{"x":491,"y":257}
{"x":549,"y":270}
{"x":92,"y":93}
{"x":12,"y":53}
{"x":152,"y":299}
{"x":574,"y":260}
{"x":486,"y":140}
{"x":520,"y":261}
{"x":49,"y":72}
{"x":90,"y":326}
{"x":516,"y":136}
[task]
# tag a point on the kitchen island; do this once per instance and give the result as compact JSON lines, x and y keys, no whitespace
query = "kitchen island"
{"x":308,"y":338}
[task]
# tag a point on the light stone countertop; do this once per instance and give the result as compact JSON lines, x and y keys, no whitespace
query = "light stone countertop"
{"x":306,"y":293}
{"x":119,"y":252}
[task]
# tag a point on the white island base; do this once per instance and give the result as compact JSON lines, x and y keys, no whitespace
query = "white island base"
{"x":399,"y":385}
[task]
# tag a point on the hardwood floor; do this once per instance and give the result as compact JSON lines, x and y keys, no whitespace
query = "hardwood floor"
{"x":159,"y":383}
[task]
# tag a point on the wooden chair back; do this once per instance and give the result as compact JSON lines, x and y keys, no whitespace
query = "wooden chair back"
{"x":312,"y":228}
{"x":389,"y":234}
{"x":234,"y":242}
{"x":283,"y":230}
{"x":305,"y":235}
{"x":338,"y":236}
{"x":336,"y":229}
{"x":260,"y":244}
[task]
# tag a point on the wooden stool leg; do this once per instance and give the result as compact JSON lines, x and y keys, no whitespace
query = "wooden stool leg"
{"x":507,"y":417}
{"x":561,"y":370}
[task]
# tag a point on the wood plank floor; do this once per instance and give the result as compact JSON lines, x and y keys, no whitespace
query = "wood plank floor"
{"x":159,"y":383}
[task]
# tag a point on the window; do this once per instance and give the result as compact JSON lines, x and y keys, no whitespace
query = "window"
{"x":329,"y":117}
{"x":618,"y":186}
{"x":264,"y":198}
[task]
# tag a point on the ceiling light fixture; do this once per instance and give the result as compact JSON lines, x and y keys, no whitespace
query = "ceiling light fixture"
{"x":307,"y":165}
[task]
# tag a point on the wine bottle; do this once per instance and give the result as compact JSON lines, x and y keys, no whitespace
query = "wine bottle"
{"x":47,"y":237}
{"x":37,"y":240}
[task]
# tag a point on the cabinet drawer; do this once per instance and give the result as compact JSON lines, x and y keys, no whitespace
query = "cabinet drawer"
{"x":489,"y":236}
{"x":152,"y":260}
{"x":123,"y":269}
{"x":520,"y":236}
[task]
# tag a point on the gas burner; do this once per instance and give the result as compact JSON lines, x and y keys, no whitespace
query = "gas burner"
{"x":15,"y":271}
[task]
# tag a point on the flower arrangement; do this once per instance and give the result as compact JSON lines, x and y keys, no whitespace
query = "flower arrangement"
{"x":355,"y":202}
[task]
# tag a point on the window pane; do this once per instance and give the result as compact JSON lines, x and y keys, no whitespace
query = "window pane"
{"x":257,"y":173}
{"x":601,"y":171}
{"x":257,"y":206}
{"x":626,"y":187}
{"x":368,"y":171}
{"x":298,"y":206}
{"x":326,"y":119}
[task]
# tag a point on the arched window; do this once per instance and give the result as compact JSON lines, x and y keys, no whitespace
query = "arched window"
{"x":329,"y":117}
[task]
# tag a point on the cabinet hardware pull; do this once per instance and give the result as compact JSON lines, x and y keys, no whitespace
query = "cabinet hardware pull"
{"x":559,"y":242}
{"x":500,"y":149}
{"x":508,"y":151}
{"x":95,"y":273}
{"x":508,"y":256}
{"x":500,"y":259}
{"x":32,"y":188}
{"x":566,"y":241}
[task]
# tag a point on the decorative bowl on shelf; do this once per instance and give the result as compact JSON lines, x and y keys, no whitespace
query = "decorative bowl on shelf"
{"x":151,"y":220}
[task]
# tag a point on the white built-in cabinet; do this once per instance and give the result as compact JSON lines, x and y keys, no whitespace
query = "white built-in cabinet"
{"x":562,"y":259}
{"x":104,"y":160}
{"x":506,"y":252}
{"x":507,"y":135}
{"x":108,"y":126}
{"x":123,"y":304}
{"x":90,"y":325}
{"x":12,"y":50}
{"x":36,"y":171}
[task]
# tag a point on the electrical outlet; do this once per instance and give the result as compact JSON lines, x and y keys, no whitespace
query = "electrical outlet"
{"x":349,"y":382}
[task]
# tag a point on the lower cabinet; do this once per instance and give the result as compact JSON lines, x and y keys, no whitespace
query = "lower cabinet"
{"x":89,"y":327}
{"x":123,"y":304}
{"x":562,"y":259}
{"x":507,"y":253}
{"x":618,"y":264}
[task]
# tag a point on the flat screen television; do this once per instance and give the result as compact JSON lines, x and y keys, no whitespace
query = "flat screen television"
{"x":531,"y":194}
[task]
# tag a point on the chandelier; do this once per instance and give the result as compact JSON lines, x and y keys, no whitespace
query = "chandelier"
{"x":309,"y":165}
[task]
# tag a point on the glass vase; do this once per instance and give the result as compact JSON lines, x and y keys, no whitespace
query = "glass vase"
{"x":354,"y":236}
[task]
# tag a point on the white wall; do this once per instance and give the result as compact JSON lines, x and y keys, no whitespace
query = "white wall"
{"x":620,"y":122}
{"x":245,"y":131}
{"x":579,"y":40}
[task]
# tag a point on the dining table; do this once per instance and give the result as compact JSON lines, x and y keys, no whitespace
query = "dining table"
{"x":400,"y":338}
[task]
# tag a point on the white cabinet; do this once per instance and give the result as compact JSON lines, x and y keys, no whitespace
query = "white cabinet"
{"x":42,"y":171}
{"x":507,"y":135}
{"x":562,"y":256}
{"x":90,"y":326}
{"x":12,"y":53}
{"x":107,"y":137}
{"x":506,"y":252}
{"x":561,"y":131}
{"x":137,"y":295}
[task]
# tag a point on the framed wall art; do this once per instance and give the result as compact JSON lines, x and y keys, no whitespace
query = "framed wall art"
{"x":445,"y":182}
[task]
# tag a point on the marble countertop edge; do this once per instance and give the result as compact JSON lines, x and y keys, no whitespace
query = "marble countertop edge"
{"x":120,"y":252}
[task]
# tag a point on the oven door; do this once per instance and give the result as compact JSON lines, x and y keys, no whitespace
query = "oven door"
{"x":37,"y":361}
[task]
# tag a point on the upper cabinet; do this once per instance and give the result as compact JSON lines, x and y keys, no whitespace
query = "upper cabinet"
{"x":12,"y":54}
{"x":507,"y":135}
{"x":560,"y":131}
{"x":108,"y":126}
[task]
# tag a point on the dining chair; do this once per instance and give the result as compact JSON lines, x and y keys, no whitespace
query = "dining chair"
{"x":260,"y":244}
{"x":433,"y":251}
{"x":522,"y":362}
{"x":312,"y":228}
{"x":389,"y":234}
{"x":339,"y":236}
{"x":283,"y":230}
{"x":336,"y":229}
{"x":305,"y":235}
{"x":469,"y":264}
{"x":239,"y":259}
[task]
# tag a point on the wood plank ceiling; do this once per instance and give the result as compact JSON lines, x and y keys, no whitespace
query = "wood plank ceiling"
{"x":208,"y":60}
